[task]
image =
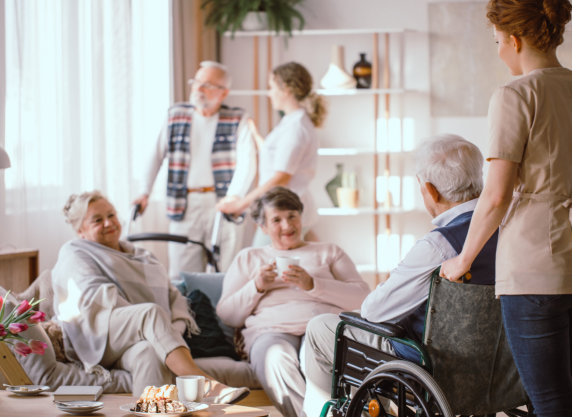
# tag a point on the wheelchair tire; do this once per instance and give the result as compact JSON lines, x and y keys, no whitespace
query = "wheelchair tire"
{"x":411,"y":388}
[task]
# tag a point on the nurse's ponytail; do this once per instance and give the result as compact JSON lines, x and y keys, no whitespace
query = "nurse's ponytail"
{"x":298,"y":80}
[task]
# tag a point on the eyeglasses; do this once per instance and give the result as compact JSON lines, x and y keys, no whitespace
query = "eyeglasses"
{"x":206,"y":85}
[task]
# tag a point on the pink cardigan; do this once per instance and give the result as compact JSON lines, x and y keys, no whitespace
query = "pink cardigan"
{"x":286,"y":309}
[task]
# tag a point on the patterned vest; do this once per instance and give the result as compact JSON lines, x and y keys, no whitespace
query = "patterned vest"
{"x":223,"y":154}
{"x":482,"y":271}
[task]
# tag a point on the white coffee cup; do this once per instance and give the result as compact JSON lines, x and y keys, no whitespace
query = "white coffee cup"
{"x":191,"y":387}
{"x":282,"y":263}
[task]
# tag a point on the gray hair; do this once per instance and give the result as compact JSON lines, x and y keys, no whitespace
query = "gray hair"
{"x":278,"y":197}
{"x":77,"y":205}
{"x":226,"y":79}
{"x":453,"y":165}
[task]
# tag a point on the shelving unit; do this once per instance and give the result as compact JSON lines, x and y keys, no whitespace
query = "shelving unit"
{"x":378,"y":99}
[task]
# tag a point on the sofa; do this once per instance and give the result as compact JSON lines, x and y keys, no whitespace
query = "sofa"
{"x":52,"y":368}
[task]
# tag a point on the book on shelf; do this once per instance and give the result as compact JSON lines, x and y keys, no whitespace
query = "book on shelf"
{"x":78,"y":393}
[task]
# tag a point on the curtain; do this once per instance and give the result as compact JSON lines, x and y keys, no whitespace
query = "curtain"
{"x":87,"y":85}
{"x":193,"y":42}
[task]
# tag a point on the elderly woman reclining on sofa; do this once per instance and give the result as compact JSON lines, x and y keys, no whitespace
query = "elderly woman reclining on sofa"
{"x":116,"y":305}
{"x":274,"y":309}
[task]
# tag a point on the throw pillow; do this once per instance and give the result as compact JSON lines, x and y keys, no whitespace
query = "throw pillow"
{"x":54,"y":332}
{"x":211,"y":341}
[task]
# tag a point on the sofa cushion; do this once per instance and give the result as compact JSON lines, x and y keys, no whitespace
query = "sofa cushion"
{"x":46,"y":370}
{"x":211,"y":285}
{"x":211,"y":341}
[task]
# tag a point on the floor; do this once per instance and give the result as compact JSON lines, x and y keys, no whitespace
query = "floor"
{"x":259,"y":399}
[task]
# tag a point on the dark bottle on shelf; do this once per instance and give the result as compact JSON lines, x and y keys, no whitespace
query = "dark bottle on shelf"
{"x":362,"y":72}
{"x":334,"y":184}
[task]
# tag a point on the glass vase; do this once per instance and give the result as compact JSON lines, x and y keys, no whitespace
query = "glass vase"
{"x":334,"y":184}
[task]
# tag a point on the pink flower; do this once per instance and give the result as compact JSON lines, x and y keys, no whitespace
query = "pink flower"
{"x":23,"y":307}
{"x":17,"y":327}
{"x":2,"y":331}
{"x":37,"y":317}
{"x":1,"y":302}
{"x":22,"y":348}
{"x":38,"y":347}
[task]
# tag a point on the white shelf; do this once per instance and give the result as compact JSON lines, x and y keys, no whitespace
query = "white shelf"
{"x":338,"y":211}
{"x":330,"y":92}
{"x":344,"y":151}
{"x":315,"y":32}
{"x":360,"y":151}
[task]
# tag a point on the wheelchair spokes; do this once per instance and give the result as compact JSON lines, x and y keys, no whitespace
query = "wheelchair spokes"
{"x":410,"y":388}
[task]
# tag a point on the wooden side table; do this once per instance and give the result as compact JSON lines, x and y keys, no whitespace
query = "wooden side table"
{"x":18,"y":268}
{"x":42,"y":405}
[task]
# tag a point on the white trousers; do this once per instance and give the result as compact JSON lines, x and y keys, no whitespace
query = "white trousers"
{"x":198,"y":225}
{"x":140,"y":338}
{"x":274,"y":357}
{"x":319,"y":358}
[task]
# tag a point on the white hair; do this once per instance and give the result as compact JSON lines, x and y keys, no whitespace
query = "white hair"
{"x":453,"y":165}
{"x":77,"y":205}
{"x":226,"y":79}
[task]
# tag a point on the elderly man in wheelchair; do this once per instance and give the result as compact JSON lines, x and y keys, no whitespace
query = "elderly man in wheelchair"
{"x":422,"y":345}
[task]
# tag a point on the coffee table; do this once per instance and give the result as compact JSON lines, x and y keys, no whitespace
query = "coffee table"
{"x":12,"y":405}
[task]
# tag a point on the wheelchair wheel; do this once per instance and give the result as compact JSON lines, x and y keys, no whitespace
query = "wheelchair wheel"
{"x":412,"y":390}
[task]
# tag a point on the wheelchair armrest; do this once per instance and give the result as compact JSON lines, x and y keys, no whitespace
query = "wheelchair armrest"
{"x":385,"y":329}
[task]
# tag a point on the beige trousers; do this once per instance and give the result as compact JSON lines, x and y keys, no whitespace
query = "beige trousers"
{"x":198,"y":225}
{"x":319,"y":358}
{"x":274,"y":357}
{"x":140,"y":337}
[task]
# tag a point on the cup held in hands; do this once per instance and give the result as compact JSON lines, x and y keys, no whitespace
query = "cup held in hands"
{"x":283,"y":262}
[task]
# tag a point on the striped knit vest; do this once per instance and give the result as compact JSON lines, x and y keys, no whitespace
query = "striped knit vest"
{"x":223,"y":154}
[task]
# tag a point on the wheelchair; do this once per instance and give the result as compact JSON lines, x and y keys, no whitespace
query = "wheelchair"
{"x":465,"y":366}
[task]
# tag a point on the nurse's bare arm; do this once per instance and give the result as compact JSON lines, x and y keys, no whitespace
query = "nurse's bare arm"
{"x":491,"y":208}
{"x":239,"y":205}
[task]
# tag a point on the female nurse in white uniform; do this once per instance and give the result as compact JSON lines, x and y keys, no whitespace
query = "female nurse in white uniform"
{"x":288,"y":155}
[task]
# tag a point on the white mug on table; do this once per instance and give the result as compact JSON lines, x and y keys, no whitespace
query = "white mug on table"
{"x":192,"y":387}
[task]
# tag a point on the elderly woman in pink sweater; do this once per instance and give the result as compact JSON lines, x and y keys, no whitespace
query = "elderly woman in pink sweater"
{"x":273,"y":309}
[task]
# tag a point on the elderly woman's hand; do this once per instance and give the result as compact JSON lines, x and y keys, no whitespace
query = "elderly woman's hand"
{"x":298,"y":276}
{"x":266,"y":277}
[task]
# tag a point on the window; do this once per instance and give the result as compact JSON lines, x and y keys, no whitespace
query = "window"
{"x":87,"y":88}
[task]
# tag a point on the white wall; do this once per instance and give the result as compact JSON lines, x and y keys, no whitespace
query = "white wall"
{"x":350,"y":118}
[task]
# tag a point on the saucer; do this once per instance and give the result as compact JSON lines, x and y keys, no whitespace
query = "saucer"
{"x":79,"y":407}
{"x":26,"y":390}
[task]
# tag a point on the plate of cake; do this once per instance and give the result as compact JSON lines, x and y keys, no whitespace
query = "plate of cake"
{"x":162,"y":401}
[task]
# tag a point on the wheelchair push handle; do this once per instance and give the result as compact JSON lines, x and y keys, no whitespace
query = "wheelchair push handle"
{"x":136,"y":211}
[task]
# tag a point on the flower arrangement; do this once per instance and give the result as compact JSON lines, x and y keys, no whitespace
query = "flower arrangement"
{"x":18,"y":320}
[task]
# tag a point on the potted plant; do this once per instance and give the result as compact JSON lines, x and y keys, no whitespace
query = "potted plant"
{"x":229,"y":15}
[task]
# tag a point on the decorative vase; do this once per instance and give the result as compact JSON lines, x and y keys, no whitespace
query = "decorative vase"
{"x":362,"y":72}
{"x":334,"y":184}
{"x":348,"y":196}
{"x":336,"y":77}
{"x":255,"y":21}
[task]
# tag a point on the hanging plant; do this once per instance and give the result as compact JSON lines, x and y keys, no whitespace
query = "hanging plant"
{"x":228,"y":15}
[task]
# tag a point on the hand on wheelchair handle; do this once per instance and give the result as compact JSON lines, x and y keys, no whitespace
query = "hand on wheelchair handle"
{"x":140,"y":204}
{"x":453,"y":269}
